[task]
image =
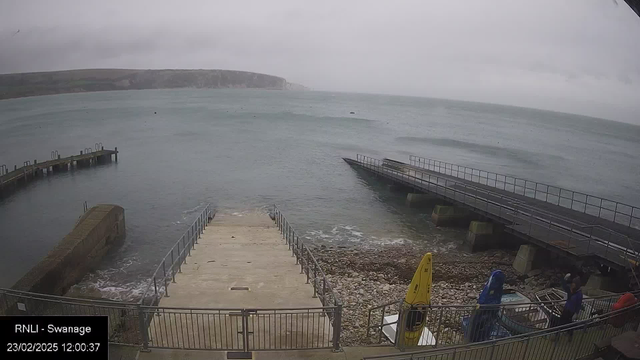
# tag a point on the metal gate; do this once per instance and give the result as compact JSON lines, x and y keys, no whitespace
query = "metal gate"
{"x":241,"y":330}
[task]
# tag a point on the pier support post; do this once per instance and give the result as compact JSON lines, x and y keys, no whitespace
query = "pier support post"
{"x":116,"y":154}
{"x":415,"y":200}
{"x":480,"y":236}
{"x":449,"y":215}
{"x":527,"y":259}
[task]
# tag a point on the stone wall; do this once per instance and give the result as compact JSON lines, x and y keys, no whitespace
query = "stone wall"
{"x":97,"y":231}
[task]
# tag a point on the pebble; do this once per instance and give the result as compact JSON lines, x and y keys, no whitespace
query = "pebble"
{"x":535,"y":272}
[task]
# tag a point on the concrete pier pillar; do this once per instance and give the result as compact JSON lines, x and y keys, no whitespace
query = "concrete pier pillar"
{"x":527,"y":259}
{"x":480,"y":236}
{"x":443,"y":215}
{"x":415,"y":200}
{"x":601,"y":284}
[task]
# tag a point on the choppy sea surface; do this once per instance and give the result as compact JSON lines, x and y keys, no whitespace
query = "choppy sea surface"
{"x":243,"y":150}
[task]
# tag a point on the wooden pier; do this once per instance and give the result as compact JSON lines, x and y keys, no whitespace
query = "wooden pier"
{"x":30,"y":171}
{"x":579,"y":230}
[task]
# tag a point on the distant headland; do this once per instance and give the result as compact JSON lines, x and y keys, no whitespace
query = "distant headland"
{"x":86,"y":80}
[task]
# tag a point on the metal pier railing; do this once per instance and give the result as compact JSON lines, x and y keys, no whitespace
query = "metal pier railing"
{"x":610,"y":210}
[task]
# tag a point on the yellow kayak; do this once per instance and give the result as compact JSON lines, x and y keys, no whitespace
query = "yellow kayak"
{"x":417,"y":299}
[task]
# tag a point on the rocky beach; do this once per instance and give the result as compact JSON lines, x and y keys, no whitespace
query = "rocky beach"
{"x":364,"y":278}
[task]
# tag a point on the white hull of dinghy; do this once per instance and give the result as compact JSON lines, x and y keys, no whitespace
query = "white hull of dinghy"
{"x":389,"y":331}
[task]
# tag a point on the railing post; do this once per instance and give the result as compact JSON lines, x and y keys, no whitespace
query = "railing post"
{"x":142,"y":322}
{"x":302,"y":261}
{"x":197,"y":235}
{"x":166,"y":288}
{"x":245,"y":330}
{"x":179,"y":259}
{"x":308,"y":270}
{"x":315,"y":280}
{"x":292,"y":244}
{"x":173,"y":273}
{"x":337,"y":327}
{"x":400,"y":328}
{"x":324,"y":290}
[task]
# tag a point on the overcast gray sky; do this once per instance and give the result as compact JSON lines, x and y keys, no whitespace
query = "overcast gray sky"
{"x":579,"y":56}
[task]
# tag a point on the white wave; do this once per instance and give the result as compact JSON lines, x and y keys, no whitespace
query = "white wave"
{"x":108,"y":283}
{"x":191,"y":211}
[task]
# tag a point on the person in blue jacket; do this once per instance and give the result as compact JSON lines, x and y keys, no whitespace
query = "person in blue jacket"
{"x":574,"y":301}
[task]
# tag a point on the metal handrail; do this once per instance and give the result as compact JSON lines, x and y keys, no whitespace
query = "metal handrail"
{"x":631,"y":311}
{"x":308,"y":265}
{"x":465,"y":198}
{"x":237,"y":309}
{"x":172,"y":262}
{"x":475,"y":175}
{"x":299,"y":249}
